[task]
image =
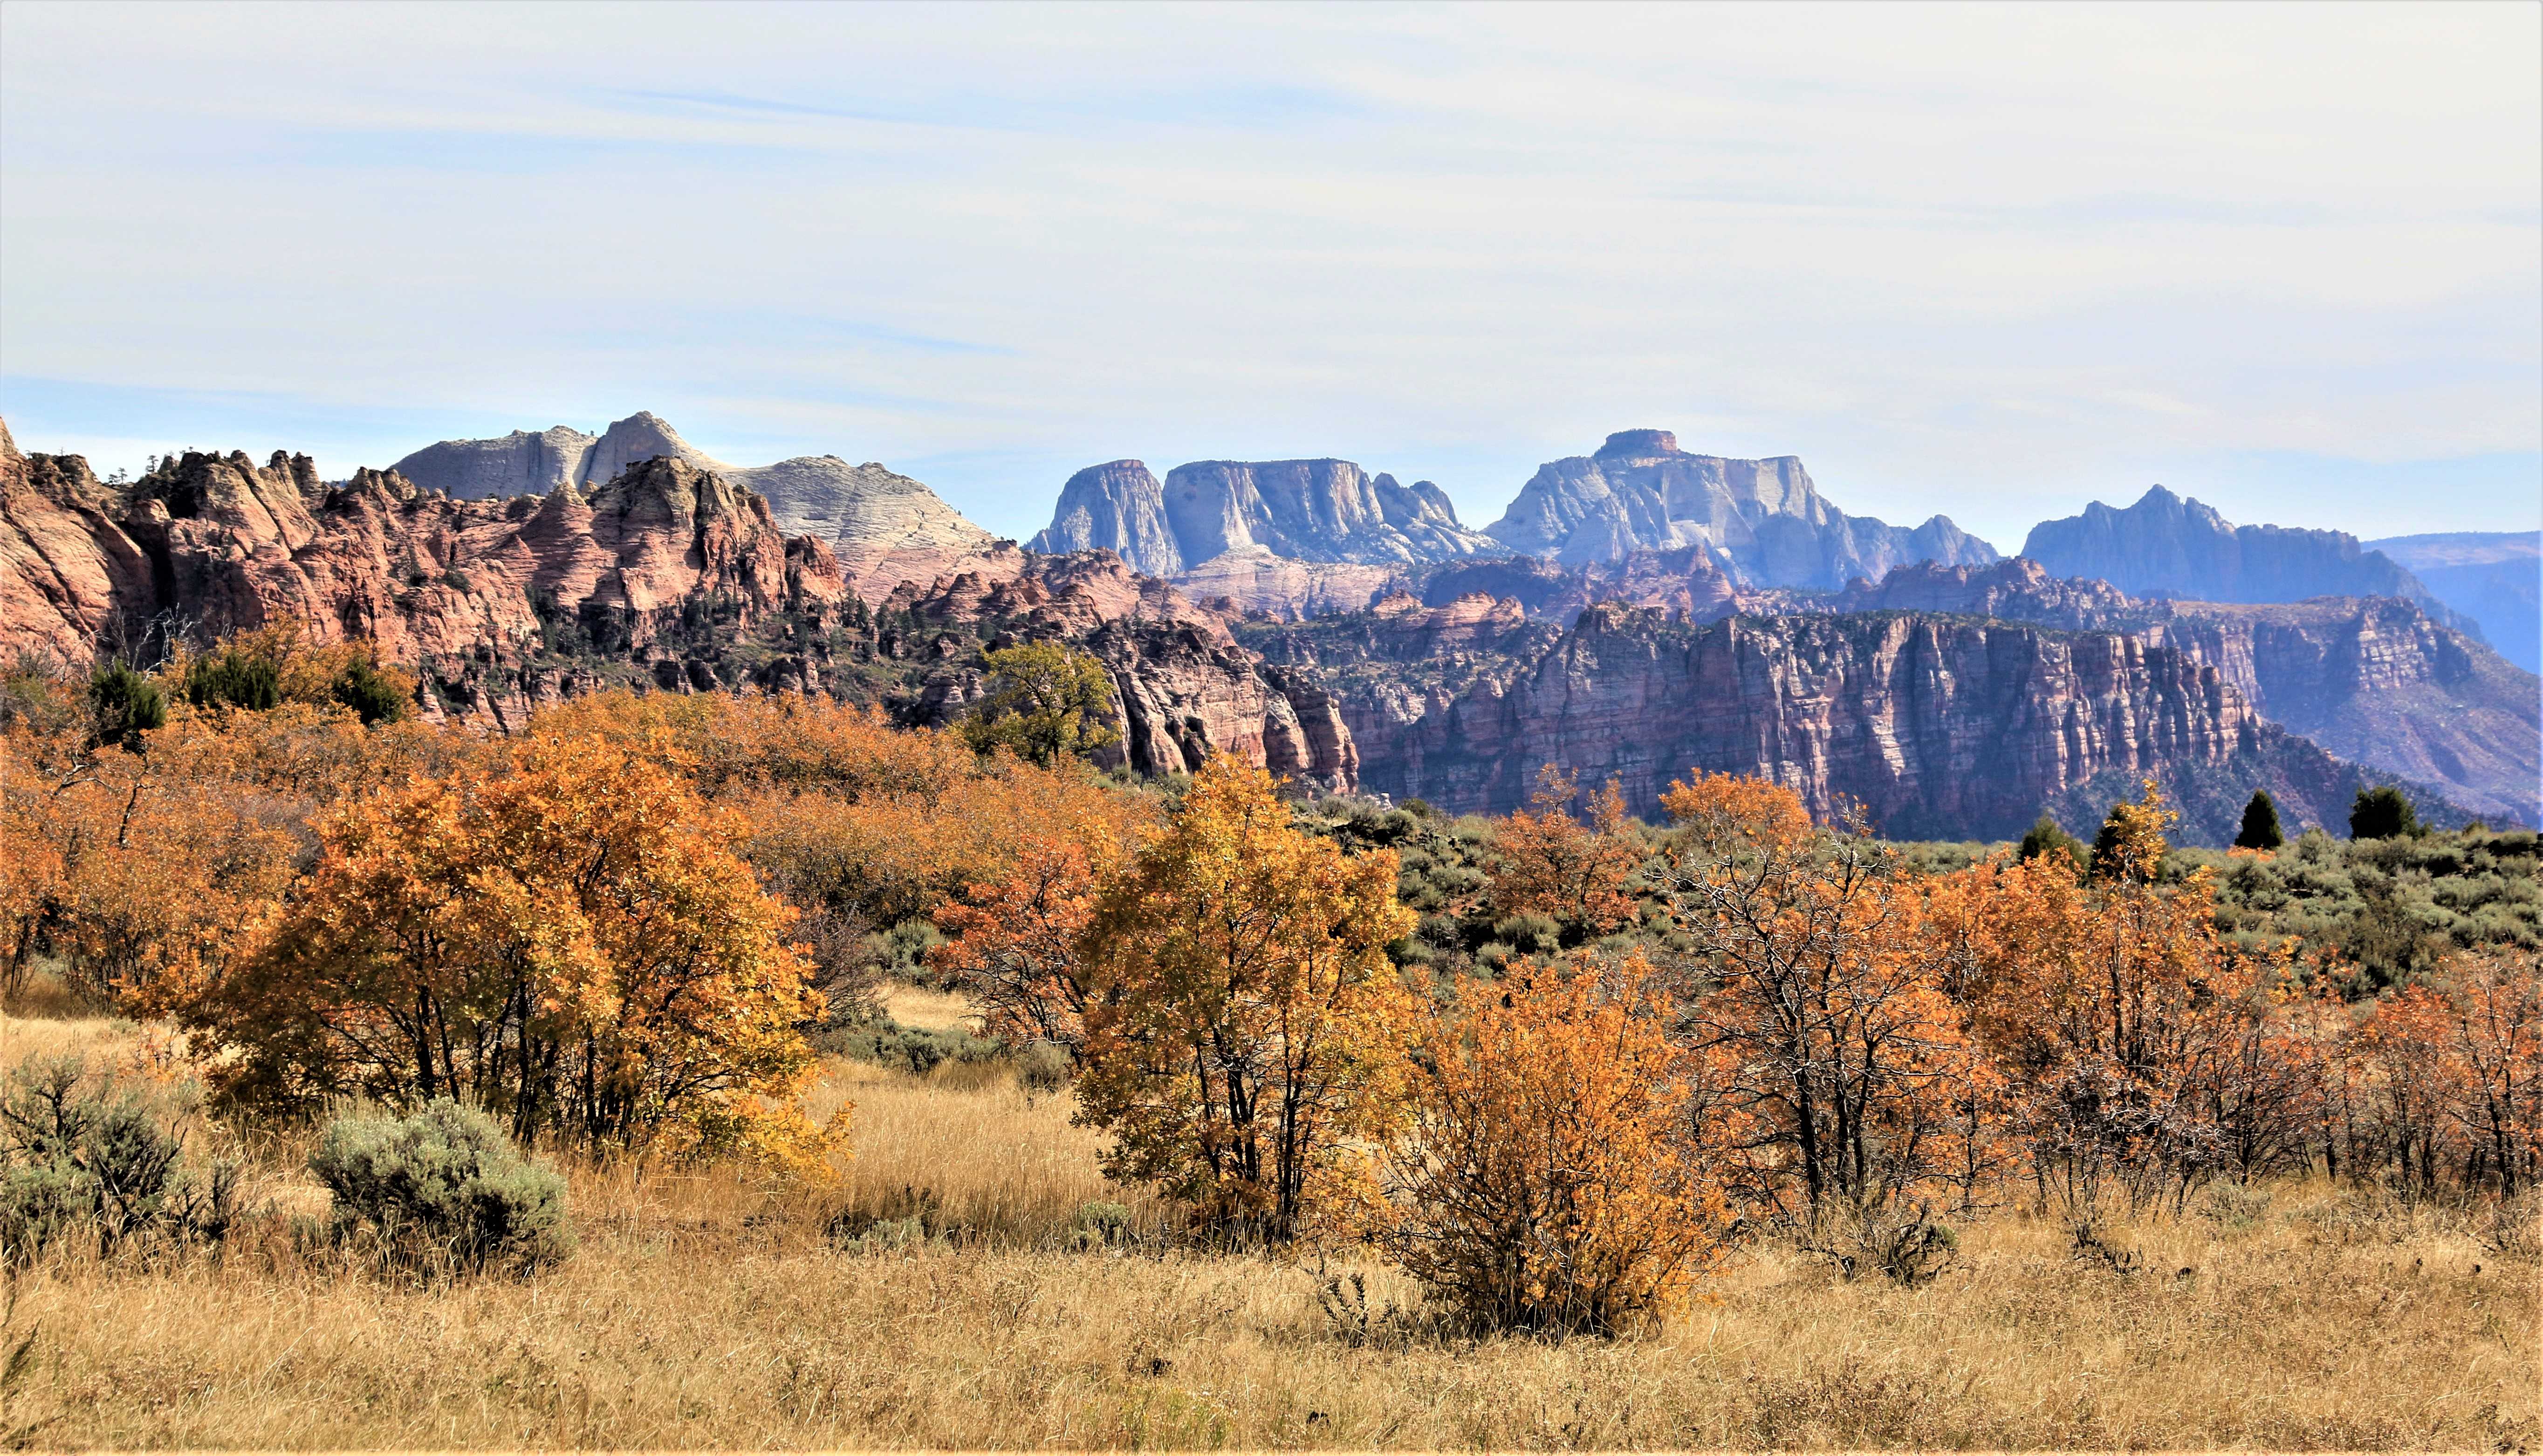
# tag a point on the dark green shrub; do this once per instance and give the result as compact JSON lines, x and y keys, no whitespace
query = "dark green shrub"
{"x":2259,"y":830}
{"x":1528,"y":933}
{"x":916,"y":1049}
{"x":1100,"y":1226}
{"x":232,"y":678}
{"x":443,"y":1188}
{"x":2045,"y":838}
{"x":126,"y":705}
{"x":2383,"y":813}
{"x":371,"y":694}
{"x":1043,"y":1068}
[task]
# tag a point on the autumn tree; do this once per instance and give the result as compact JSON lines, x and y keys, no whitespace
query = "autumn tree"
{"x":1721,"y":812}
{"x":2131,"y":842}
{"x":1548,"y":863}
{"x":1017,"y":943}
{"x":1832,"y":1058}
{"x":133,"y":872}
{"x":566,"y":938}
{"x":1544,"y":1178}
{"x":2495,"y":1029}
{"x":1045,"y":702}
{"x":2140,"y":1040}
{"x":1245,"y":1022}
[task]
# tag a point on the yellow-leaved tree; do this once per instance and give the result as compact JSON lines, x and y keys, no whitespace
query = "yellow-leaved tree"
{"x":1246,"y":1025}
{"x":566,"y":938}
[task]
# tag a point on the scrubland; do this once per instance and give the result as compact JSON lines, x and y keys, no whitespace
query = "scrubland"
{"x":718,"y":1310}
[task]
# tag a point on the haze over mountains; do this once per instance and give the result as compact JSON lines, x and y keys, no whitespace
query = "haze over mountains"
{"x":1640,"y":611}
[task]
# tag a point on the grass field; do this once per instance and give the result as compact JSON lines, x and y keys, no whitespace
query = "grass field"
{"x":711,"y":1309}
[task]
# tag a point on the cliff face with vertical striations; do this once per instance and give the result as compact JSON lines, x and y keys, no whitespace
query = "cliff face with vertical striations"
{"x":2375,"y":679}
{"x":1304,"y":511}
{"x":1938,"y":726}
{"x":2494,"y":578}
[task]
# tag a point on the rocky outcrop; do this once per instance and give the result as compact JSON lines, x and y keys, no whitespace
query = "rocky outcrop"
{"x":2379,"y":682}
{"x":1120,"y":507}
{"x":1181,"y":688}
{"x":2494,"y":578}
{"x":666,"y":578}
{"x":1254,"y":582}
{"x":68,"y":572}
{"x":470,"y":593}
{"x":517,"y":464}
{"x":2168,"y":544}
{"x":1764,"y":520}
{"x":2375,"y":680}
{"x":885,"y":528}
{"x":1308,"y":510}
{"x":1941,"y":727}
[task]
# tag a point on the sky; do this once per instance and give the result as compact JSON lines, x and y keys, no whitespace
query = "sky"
{"x":1994,"y":261}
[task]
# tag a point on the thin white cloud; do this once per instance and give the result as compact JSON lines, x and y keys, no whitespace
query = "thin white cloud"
{"x":1961,"y":259}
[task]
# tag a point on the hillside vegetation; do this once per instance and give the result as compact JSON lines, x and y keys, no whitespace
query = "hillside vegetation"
{"x":713,"y":1069}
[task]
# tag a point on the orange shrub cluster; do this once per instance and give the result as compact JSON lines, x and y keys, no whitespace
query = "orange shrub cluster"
{"x":1548,"y":863}
{"x":1542,"y":1177}
{"x":1873,"y":1040}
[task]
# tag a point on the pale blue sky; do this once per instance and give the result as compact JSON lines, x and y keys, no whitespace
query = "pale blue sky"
{"x":1994,"y":261}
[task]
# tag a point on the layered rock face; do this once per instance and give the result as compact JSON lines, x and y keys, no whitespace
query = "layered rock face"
{"x":2494,"y":578}
{"x":468,"y":591}
{"x":1940,"y":727}
{"x":1310,"y":510}
{"x":1764,"y":520}
{"x":885,"y":528}
{"x":2375,"y":680}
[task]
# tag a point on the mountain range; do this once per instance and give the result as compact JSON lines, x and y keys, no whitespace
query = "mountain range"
{"x":1640,"y":611}
{"x":885,"y":528}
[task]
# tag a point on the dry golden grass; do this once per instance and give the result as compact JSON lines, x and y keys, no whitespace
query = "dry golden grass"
{"x":23,"y":1036}
{"x":935,"y":1011}
{"x":709,"y":1311}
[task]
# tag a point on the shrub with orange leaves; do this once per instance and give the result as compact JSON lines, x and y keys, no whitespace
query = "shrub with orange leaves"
{"x":1722,"y":809}
{"x":2443,"y":1080}
{"x":1548,"y":863}
{"x":1544,"y":1178}
{"x":134,"y":872}
{"x":566,"y":940}
{"x":1837,"y":1074}
{"x":1245,"y":1022}
{"x":2496,"y":1033}
{"x":1015,"y":947}
{"x":2150,"y":1052}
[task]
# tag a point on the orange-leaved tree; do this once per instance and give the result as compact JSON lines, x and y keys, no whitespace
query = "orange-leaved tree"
{"x":1547,"y":863}
{"x":566,"y":940}
{"x":1723,"y":810}
{"x":1245,"y":1022}
{"x":1544,"y":1178}
{"x":2497,"y":1034}
{"x":2150,"y":1052}
{"x":1017,"y":941}
{"x":1836,"y":1070}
